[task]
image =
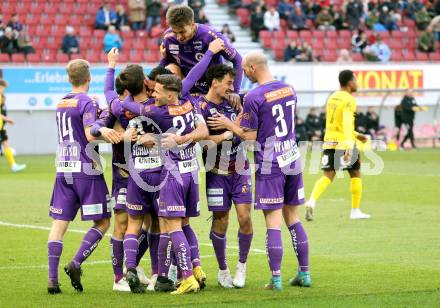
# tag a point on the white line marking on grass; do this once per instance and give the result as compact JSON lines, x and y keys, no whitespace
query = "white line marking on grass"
{"x":26,"y":226}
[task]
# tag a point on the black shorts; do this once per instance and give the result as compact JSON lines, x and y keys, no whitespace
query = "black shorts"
{"x":3,"y":135}
{"x":333,"y":160}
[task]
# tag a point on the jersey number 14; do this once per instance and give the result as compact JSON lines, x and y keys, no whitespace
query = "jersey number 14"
{"x":64,"y":127}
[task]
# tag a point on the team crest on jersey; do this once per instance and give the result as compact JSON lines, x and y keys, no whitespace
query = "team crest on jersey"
{"x":174,"y":47}
{"x":199,"y":56}
{"x":129,"y":115}
{"x":147,"y":108}
{"x":203,"y":105}
{"x":198,"y":45}
{"x":244,"y":189}
{"x":246,"y":116}
{"x":213,"y":111}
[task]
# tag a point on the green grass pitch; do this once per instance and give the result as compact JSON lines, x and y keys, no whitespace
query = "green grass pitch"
{"x":392,"y":259}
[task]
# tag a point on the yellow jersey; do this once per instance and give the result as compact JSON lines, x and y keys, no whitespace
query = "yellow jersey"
{"x":339,"y":123}
{"x":1,"y":109}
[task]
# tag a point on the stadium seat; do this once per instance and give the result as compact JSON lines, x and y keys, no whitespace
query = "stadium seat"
{"x":99,"y":34}
{"x":33,"y":58}
{"x":279,"y":35}
{"x":127,"y":34}
{"x":156,"y":31}
{"x":62,"y":58}
{"x":397,"y":34}
{"x":18,"y":58}
{"x":291,"y":34}
{"x":243,"y":15}
{"x":305,"y":34}
{"x":278,"y":54}
{"x":4,"y":58}
{"x":422,"y":56}
{"x":409,"y":56}
{"x":357,"y":57}
{"x":346,"y":34}
{"x":434,"y":56}
{"x":318,"y":35}
{"x":396,"y":55}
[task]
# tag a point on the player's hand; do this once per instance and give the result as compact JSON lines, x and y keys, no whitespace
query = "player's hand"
{"x":424,"y":108}
{"x":112,"y":57}
{"x":347,"y":156}
{"x":148,"y":140}
{"x":162,"y":50}
{"x":216,"y":45}
{"x":169,"y":141}
{"x":219,"y":122}
{"x":362,"y":138}
{"x":235,"y":101}
{"x":131,"y":134}
{"x":110,"y":135}
{"x":9,"y":121}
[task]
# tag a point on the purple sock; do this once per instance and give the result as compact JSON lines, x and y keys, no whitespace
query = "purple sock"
{"x":193,"y":245}
{"x":274,"y":250}
{"x":89,"y":243}
{"x":130,"y":249}
{"x":182,"y":251}
{"x":219,"y":243}
{"x":300,"y":245}
{"x":164,"y":254}
{"x":153,"y":241}
{"x":54,"y":250}
{"x":244,"y":245}
{"x":143,"y":245}
{"x":117,"y":248}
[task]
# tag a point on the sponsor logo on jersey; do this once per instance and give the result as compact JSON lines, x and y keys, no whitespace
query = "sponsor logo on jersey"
{"x":215,"y":191}
{"x":175,"y":208}
{"x":68,"y":103}
{"x":173,"y":47}
{"x":272,"y":200}
{"x":176,"y":110}
{"x":55,"y":210}
{"x":198,"y":45}
{"x":278,"y":94}
{"x":92,"y":209}
{"x":134,"y":207}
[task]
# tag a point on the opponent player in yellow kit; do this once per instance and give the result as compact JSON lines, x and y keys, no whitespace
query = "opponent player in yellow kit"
{"x":340,"y":152}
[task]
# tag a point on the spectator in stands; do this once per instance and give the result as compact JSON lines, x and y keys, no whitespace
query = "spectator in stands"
{"x":121,"y":18}
{"x":324,"y":21}
{"x":409,"y":108}
{"x":196,"y":3}
{"x":137,"y":13}
{"x":105,"y":17}
{"x":201,"y":18}
{"x":372,"y":19}
{"x":313,"y":125}
{"x":306,"y":53}
{"x":435,"y":26}
{"x":272,"y":20}
{"x":70,"y":42}
{"x":2,"y":25}
{"x":359,"y":41}
{"x":379,"y":51}
{"x":24,"y":43}
{"x":291,"y":52}
{"x":256,"y":23}
{"x":8,"y":42}
{"x":360,"y":122}
{"x":412,"y":7}
{"x":298,"y":20}
{"x":372,"y":122}
{"x":153,"y":13}
{"x":340,"y":20}
{"x":14,"y":23}
{"x":285,"y":9}
{"x":344,"y":56}
{"x":310,"y":8}
{"x":226,"y":31}
{"x":387,"y":19}
{"x":353,"y":12}
{"x":112,"y":39}
{"x":426,"y":41}
{"x":300,"y":130}
{"x":422,"y":19}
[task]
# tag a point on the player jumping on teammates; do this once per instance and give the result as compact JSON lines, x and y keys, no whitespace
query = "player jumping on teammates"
{"x":4,"y":119}
{"x":79,"y":182}
{"x":340,"y":152}
{"x":229,"y":179}
{"x":268,"y":117}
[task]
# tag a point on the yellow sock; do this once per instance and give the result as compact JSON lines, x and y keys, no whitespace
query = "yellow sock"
{"x":320,"y":186}
{"x":9,"y":156}
{"x":356,"y":192}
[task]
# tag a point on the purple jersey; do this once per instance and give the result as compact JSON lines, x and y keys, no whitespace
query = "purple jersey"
{"x":227,"y":151}
{"x":74,"y":113}
{"x":270,"y":109}
{"x":188,"y":54}
{"x":178,"y":119}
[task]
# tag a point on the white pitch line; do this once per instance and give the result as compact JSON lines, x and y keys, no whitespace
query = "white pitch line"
{"x":26,"y":226}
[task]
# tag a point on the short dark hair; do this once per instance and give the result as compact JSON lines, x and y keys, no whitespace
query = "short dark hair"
{"x":158,"y":70}
{"x":345,"y":77}
{"x":218,"y":72}
{"x":170,"y":82}
{"x":132,"y":78}
{"x":180,"y":15}
{"x":119,"y":85}
{"x":3,"y":83}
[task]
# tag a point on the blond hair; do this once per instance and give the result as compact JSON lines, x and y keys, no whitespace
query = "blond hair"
{"x":78,"y":71}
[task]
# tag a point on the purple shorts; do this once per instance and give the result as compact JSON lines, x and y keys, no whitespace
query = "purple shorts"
{"x":88,"y":194}
{"x":273,"y":192}
{"x":119,"y":195}
{"x":179,"y":198}
{"x":221,"y":190}
{"x":139,"y":200}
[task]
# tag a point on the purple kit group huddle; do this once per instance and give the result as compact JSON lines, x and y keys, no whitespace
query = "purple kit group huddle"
{"x":156,"y":124}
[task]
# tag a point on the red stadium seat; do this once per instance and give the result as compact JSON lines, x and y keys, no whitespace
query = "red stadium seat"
{"x":4,"y":58}
{"x":422,"y":56}
{"x":156,"y":31}
{"x":141,"y":33}
{"x":291,"y":34}
{"x":357,"y":57}
{"x":396,"y":44}
{"x":243,"y":15}
{"x":346,"y":34}
{"x":278,"y":54}
{"x":409,"y":56}
{"x":33,"y":58}
{"x":305,"y":34}
{"x":18,"y":58}
{"x":396,"y":55}
{"x":384,"y":35}
{"x":62,"y":58}
{"x":279,"y":35}
{"x":434,"y":56}
{"x":397,"y":34}
{"x":127,"y":34}
{"x":318,"y":35}
{"x":99,"y":34}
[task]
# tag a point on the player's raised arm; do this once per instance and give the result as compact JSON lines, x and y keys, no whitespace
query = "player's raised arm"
{"x":109,"y":84}
{"x":230,"y":53}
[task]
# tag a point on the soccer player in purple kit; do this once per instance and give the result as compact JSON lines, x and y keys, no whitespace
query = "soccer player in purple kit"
{"x":79,"y":182}
{"x":186,"y":42}
{"x":179,"y":199}
{"x":229,"y":179}
{"x":268,"y":117}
